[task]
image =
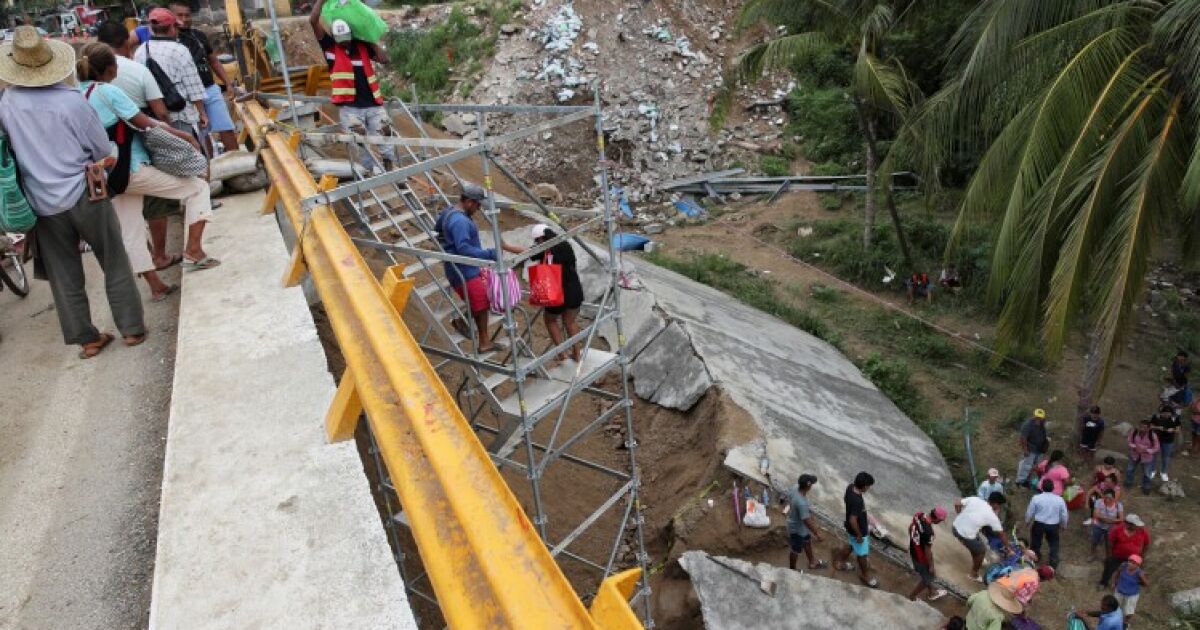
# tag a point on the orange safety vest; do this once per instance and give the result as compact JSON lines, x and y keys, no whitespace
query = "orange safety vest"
{"x":341,"y":75}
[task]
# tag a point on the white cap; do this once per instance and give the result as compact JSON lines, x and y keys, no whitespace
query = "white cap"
{"x":992,"y":472}
{"x":340,"y":31}
{"x":540,"y":230}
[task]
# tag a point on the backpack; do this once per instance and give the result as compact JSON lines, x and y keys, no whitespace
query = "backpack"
{"x":172,"y":99}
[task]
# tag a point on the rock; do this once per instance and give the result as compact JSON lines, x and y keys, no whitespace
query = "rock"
{"x":1186,"y":602}
{"x":455,"y":124}
{"x":1157,"y":301}
{"x":1172,"y":490}
{"x":548,"y":193}
{"x":468,"y":118}
{"x":216,"y":187}
{"x":248,"y":182}
{"x":653,"y":228}
{"x":668,"y":372}
{"x":508,"y":29}
{"x":1123,"y":428}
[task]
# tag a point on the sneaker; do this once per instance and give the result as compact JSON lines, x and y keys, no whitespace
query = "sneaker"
{"x":938,"y":594}
{"x":1087,"y":522}
{"x":1165,"y":478}
{"x":1153,"y":474}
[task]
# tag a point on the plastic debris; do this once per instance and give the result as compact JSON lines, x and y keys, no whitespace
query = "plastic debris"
{"x":560,"y":31}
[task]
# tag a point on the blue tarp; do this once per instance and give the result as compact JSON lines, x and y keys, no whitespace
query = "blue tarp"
{"x":627,"y":242}
{"x":689,"y":207}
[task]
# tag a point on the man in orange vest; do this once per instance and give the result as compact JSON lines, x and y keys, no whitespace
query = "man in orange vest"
{"x":355,"y":87}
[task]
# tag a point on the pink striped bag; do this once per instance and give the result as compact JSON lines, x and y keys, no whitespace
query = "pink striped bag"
{"x":502,"y":289}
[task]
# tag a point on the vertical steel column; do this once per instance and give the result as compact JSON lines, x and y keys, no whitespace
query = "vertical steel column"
{"x":510,"y":326}
{"x":631,"y":440}
{"x":287,"y":76}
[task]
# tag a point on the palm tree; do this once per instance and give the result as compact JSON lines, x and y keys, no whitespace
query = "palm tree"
{"x":880,"y":90}
{"x":1087,"y":110}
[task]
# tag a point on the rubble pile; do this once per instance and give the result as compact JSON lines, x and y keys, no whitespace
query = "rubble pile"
{"x":658,"y":70}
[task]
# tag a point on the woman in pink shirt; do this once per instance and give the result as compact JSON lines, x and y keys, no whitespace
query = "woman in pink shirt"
{"x":1057,"y":472}
{"x":1143,"y":444}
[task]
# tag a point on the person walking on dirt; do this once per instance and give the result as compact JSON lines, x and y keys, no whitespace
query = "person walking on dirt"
{"x":1106,"y":514}
{"x":353,"y":84}
{"x":976,"y":516}
{"x":207,"y":65}
{"x":801,"y":526}
{"x":1143,"y":444}
{"x":1127,"y":587}
{"x":1034,"y":444}
{"x":920,"y":549}
{"x":1091,"y":429}
{"x":459,"y":235}
{"x":1124,"y":540}
{"x":56,"y":136}
{"x":1166,"y":426}
{"x":857,"y":527}
{"x":1046,"y":516}
{"x":561,"y":320}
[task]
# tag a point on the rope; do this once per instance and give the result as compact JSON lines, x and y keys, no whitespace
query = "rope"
{"x":893,"y":307}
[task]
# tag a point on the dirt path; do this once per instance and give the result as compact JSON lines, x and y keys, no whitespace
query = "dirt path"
{"x":80,"y":465}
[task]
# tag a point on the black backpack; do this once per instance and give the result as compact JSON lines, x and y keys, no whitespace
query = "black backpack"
{"x":172,"y":99}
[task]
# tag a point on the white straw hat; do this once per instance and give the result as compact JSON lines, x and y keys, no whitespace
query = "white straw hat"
{"x":30,"y":60}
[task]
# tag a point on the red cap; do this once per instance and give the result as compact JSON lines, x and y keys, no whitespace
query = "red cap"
{"x":162,"y":16}
{"x":939,"y":514}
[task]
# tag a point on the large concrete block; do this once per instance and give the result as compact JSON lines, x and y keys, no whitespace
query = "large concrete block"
{"x":668,"y":373}
{"x":1186,"y":602}
{"x":730,"y":598}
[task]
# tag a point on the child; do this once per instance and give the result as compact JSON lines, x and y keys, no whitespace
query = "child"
{"x":1129,"y":581}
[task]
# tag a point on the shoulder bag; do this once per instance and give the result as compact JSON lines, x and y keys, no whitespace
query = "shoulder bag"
{"x":16,"y":215}
{"x":173,"y":155}
{"x":546,"y":284}
{"x":172,"y":99}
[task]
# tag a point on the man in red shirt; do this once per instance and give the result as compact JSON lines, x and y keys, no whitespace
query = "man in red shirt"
{"x":1125,"y":539}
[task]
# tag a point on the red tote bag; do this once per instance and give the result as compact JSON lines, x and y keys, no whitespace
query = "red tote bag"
{"x":545,"y":283}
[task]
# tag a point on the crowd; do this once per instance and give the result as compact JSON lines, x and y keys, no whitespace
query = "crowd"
{"x":101,"y":139}
{"x":1011,"y":563}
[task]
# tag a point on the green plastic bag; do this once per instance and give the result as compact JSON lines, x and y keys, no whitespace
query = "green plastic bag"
{"x":365,"y":24}
{"x":15,"y":213}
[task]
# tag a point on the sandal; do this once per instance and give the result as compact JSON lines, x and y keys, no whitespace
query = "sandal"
{"x":208,"y":262}
{"x":168,"y":292}
{"x":845,"y":566}
{"x":94,"y":348}
{"x":872,"y":583}
{"x":134,"y":340}
{"x":821,"y":564}
{"x":175,"y":260}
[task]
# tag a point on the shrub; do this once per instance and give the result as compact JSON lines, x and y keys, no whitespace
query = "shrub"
{"x":426,"y":58}
{"x":892,"y":377}
{"x":774,"y":166}
{"x":826,"y":120}
{"x":822,"y":293}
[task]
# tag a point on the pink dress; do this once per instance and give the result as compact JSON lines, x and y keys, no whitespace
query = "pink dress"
{"x":1058,"y":475}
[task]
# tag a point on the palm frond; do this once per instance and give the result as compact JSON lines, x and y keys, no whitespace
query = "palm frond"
{"x":883,"y":86}
{"x":778,"y":54}
{"x":1144,"y":204}
{"x":795,"y":14}
{"x":877,"y":22}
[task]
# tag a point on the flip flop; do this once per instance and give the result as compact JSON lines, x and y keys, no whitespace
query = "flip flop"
{"x":90,"y":350}
{"x":821,"y":564}
{"x":175,"y":260}
{"x":872,"y":583}
{"x":170,"y":290}
{"x":208,"y":262}
{"x":134,"y":340}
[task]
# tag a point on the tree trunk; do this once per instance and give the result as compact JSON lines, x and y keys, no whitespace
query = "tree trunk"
{"x":867,"y":123}
{"x":890,"y":198}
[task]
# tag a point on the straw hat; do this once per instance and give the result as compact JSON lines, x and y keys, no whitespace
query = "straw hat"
{"x":1004,"y":598}
{"x":32,"y":61}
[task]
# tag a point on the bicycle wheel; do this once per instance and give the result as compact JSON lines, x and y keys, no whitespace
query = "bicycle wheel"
{"x":13,"y":275}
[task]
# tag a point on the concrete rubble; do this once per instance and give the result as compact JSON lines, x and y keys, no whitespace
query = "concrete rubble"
{"x":731,"y":598}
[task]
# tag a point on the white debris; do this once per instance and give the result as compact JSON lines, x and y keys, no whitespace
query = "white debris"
{"x":592,"y":47}
{"x":560,"y":31}
{"x":565,"y":94}
{"x":684,"y":47}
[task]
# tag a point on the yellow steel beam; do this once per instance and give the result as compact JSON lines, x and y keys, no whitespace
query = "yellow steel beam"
{"x":485,"y":560}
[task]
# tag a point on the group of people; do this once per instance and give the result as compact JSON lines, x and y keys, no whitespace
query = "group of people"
{"x":65,"y":113}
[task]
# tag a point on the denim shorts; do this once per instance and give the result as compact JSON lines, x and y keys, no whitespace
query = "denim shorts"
{"x":797,"y":542}
{"x":218,"y":112}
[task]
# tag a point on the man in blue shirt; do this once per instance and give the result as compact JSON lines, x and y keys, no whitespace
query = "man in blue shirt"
{"x":1109,"y":615}
{"x":801,"y":527}
{"x":1048,"y":514}
{"x":458,"y":235}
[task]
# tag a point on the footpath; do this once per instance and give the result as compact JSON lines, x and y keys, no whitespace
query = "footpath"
{"x":263,"y":523}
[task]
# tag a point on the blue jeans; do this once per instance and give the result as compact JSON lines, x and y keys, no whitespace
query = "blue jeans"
{"x":1162,"y":459}
{"x":1025,"y":466}
{"x":1147,"y":468}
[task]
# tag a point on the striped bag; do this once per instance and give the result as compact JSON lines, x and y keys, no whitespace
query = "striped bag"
{"x":15,"y":213}
{"x":503,"y":289}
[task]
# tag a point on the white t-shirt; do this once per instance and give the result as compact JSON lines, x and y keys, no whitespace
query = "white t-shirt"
{"x":976,"y":513}
{"x":136,"y":80}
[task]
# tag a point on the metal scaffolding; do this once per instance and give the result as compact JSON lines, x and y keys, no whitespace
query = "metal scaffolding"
{"x":514,"y":383}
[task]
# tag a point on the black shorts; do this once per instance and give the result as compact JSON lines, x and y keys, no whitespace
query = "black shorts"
{"x":925,"y":574}
{"x":798,"y":542}
{"x":559,"y":310}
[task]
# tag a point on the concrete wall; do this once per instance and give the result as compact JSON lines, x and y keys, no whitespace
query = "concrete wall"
{"x":263,"y":524}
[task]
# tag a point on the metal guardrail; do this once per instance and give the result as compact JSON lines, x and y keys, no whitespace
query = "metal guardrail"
{"x":485,"y":560}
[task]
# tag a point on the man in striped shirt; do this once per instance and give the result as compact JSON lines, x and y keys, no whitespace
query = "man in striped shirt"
{"x":176,"y":61}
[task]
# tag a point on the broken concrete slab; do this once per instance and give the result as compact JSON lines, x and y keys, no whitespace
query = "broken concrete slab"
{"x":1186,"y":602}
{"x":730,"y":598}
{"x":665,"y":374}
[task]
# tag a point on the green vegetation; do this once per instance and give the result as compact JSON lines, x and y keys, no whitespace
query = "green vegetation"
{"x":748,"y":287}
{"x":774,"y":166}
{"x":429,"y":58}
{"x":825,"y":120}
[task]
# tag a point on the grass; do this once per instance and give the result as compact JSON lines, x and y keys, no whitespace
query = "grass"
{"x":429,"y":58}
{"x":739,"y":281}
{"x":774,"y":166}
